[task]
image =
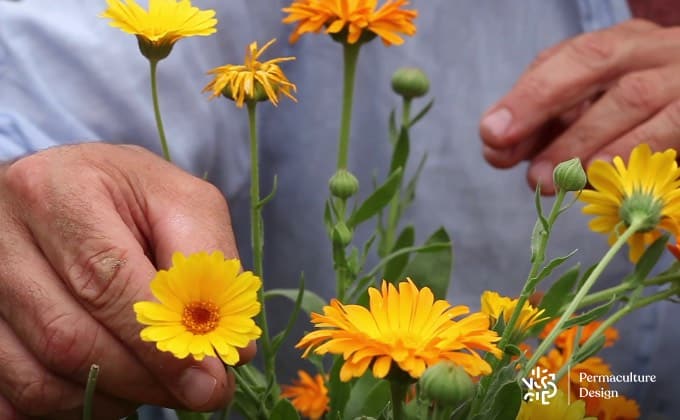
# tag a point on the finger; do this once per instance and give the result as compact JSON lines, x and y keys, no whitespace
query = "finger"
{"x":88,"y":239}
{"x":30,"y":390}
{"x":7,"y":411}
{"x":661,"y":132}
{"x":59,"y":332}
{"x":576,"y":71}
{"x":629,"y":103}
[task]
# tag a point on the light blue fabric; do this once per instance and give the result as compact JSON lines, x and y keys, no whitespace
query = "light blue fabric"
{"x":65,"y":76}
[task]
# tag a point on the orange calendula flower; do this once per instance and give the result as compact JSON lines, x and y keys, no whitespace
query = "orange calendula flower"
{"x":565,"y":340}
{"x":308,"y":395}
{"x":405,"y":327}
{"x":646,"y":190}
{"x":357,"y":17}
{"x":205,"y":308}
{"x":497,"y":306}
{"x":162,"y":25}
{"x":253,"y":80}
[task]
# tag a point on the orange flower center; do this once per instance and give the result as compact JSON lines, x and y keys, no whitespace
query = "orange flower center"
{"x":200,"y":317}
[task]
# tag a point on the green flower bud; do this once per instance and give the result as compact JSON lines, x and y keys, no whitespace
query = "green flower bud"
{"x":641,"y":206}
{"x":570,"y":176}
{"x":410,"y":82}
{"x":447,"y":384}
{"x":342,"y":234}
{"x":343,"y":184}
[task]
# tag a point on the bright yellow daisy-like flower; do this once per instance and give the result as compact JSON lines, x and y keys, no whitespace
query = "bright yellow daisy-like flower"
{"x":205,"y":308}
{"x":616,"y":408}
{"x":357,"y":17}
{"x":648,"y":188}
{"x":557,"y":409}
{"x":497,"y":306}
{"x":405,"y":327}
{"x":308,"y":395}
{"x":252,"y":80}
{"x":162,"y":25}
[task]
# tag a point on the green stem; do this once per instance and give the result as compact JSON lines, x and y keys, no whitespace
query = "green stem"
{"x":351,"y":56}
{"x":529,"y":285}
{"x":590,"y":281}
{"x":406,"y":112}
{"x":605,"y":295}
{"x":157,"y":110}
{"x":398,"y":391}
{"x":256,"y":237}
{"x":616,"y":317}
{"x":89,"y":392}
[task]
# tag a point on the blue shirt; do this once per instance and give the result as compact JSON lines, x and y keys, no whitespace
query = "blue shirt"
{"x":66,"y":76}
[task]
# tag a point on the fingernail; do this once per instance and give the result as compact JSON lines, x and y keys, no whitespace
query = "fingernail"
{"x":541,"y":172}
{"x":497,"y":122}
{"x":197,"y":387}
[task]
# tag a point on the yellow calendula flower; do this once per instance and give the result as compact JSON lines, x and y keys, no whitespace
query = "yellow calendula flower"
{"x":616,"y":408}
{"x":205,"y":308}
{"x":162,"y":25}
{"x":646,"y":190}
{"x":557,"y":409}
{"x":253,"y":80}
{"x":497,"y":306}
{"x":352,"y":20}
{"x":308,"y":395}
{"x":405,"y":327}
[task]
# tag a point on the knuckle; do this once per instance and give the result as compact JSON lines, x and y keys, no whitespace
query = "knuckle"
{"x":96,"y":278}
{"x":594,"y":49}
{"x":66,"y":346}
{"x":39,"y":396}
{"x":637,"y":91}
{"x":534,"y":88}
{"x":27,"y":178}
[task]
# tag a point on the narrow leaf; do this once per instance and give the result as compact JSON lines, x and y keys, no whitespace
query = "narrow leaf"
{"x":401,"y":151}
{"x":560,"y":293}
{"x":311,"y":302}
{"x":433,"y":269}
{"x":591,"y":315}
{"x":284,"y":410}
{"x":377,"y":200}
{"x":395,"y":267}
{"x":421,"y":113}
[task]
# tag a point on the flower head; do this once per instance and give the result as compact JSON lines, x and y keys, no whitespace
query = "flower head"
{"x":566,"y":339}
{"x":162,"y":25}
{"x":405,"y":327}
{"x":647,"y":190}
{"x":308,"y":395}
{"x":616,"y":408}
{"x":557,"y":409}
{"x":497,"y":306}
{"x":253,"y":80}
{"x":352,"y":20}
{"x":205,"y":307}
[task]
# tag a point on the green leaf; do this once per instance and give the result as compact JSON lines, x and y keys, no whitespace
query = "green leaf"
{"x":311,"y":302}
{"x":368,"y":397}
{"x":268,"y":198}
{"x":338,"y":391}
{"x":392,"y":126}
{"x":421,"y":114}
{"x":548,"y":269}
{"x":401,"y":151}
{"x":507,"y":402}
{"x":377,"y":200}
{"x":280,"y":337}
{"x":410,"y":191}
{"x":512,"y":350}
{"x":433,"y":268}
{"x":560,"y":293}
{"x":188,"y":415}
{"x":591,"y":315}
{"x":395,"y":267}
{"x":284,"y":410}
{"x":328,"y":218}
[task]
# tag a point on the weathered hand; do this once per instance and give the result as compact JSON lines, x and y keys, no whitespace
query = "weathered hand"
{"x":593,"y":97}
{"x":83,"y":229}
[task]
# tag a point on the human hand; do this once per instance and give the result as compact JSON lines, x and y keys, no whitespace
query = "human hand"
{"x":594,"y":96}
{"x":83,"y":229}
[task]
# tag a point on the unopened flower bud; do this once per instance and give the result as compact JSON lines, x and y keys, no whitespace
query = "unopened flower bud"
{"x":343,"y":184}
{"x":410,"y":82}
{"x":342,"y":234}
{"x":447,"y":384}
{"x":570,"y":176}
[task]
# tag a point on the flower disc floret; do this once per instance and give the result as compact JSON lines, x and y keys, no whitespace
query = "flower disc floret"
{"x":405,"y":327}
{"x":646,"y":191}
{"x":205,"y":308}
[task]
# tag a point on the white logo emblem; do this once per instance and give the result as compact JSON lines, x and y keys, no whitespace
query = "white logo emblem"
{"x":540,"y":386}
